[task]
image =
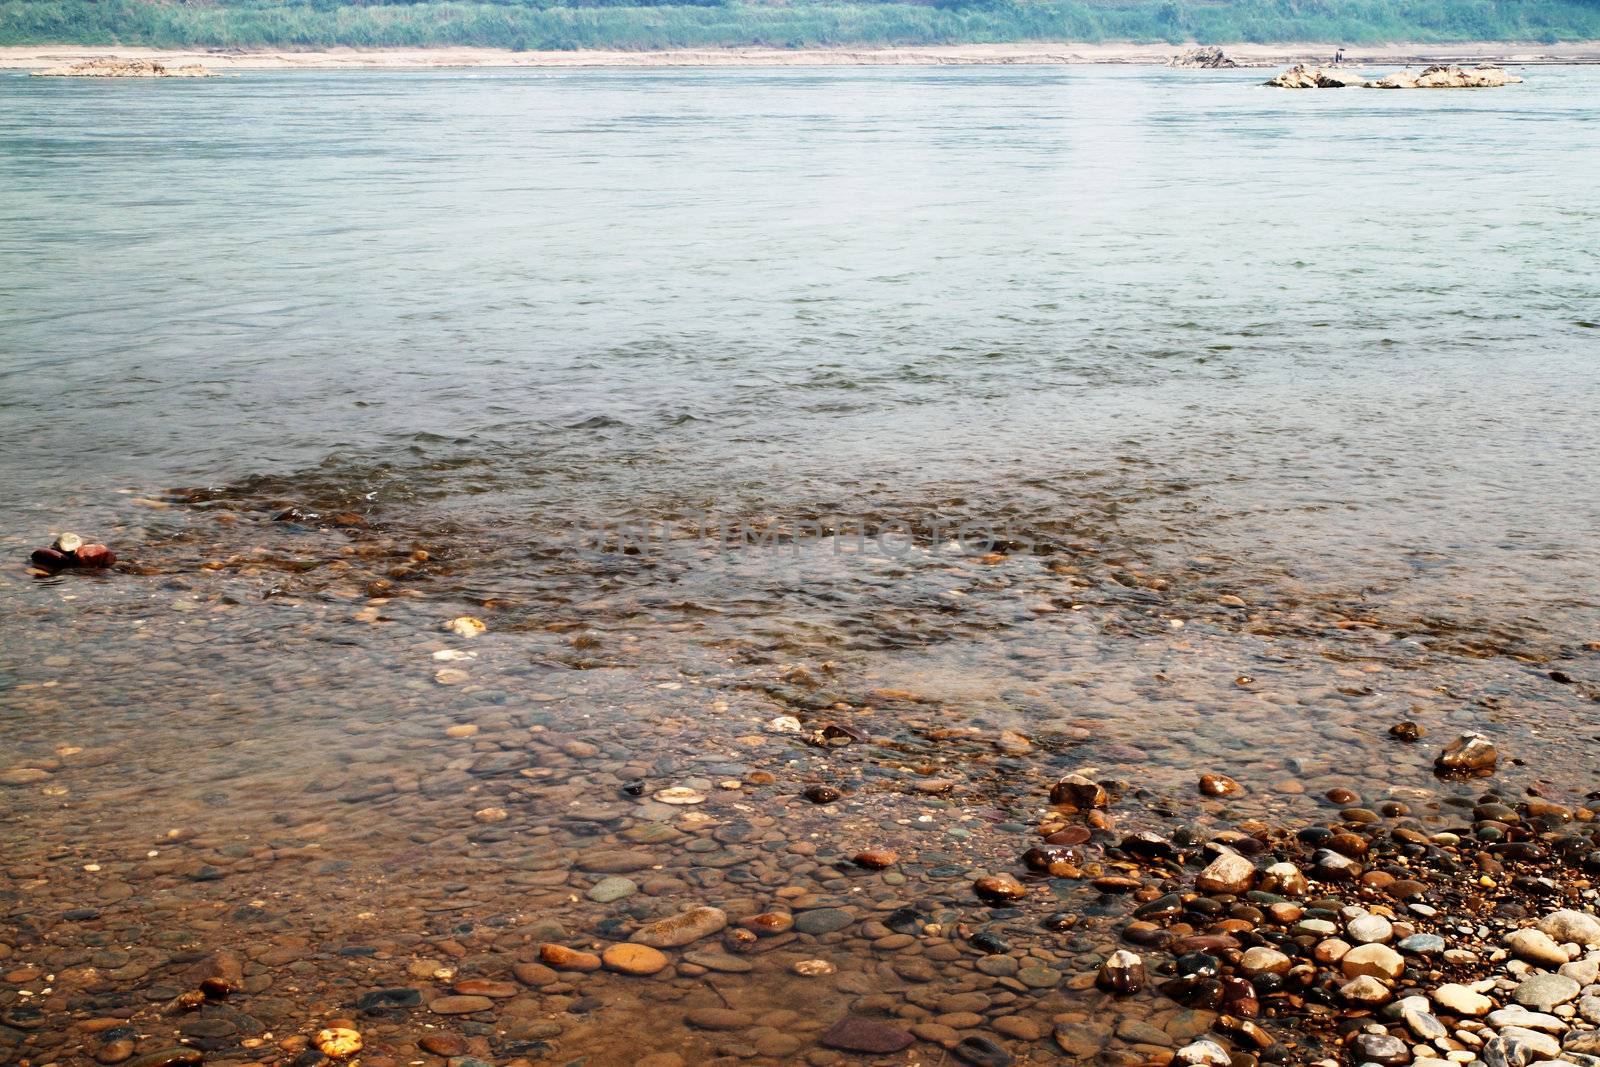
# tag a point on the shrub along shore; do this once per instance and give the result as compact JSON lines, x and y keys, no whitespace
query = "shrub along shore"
{"x":540,"y":26}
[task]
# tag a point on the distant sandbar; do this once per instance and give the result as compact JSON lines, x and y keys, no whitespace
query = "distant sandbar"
{"x":31,"y":57}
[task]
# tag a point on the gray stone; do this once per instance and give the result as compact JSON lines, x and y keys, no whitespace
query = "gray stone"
{"x":607,"y":890}
{"x":1422,"y":945}
{"x":1567,"y":925}
{"x":822,"y":921}
{"x":1544,"y":991}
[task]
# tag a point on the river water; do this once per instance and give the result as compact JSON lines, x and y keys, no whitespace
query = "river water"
{"x":1264,"y":419}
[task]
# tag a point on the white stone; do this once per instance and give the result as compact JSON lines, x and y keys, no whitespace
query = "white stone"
{"x":1203,"y":1053}
{"x":1369,"y":929}
{"x":1535,"y":946}
{"x":1228,"y":873}
{"x":1568,"y":925}
{"x":1365,"y":990}
{"x":1543,"y":1046}
{"x":1459,"y":1000}
{"x":1517,"y":1015}
{"x":1379,"y":961}
{"x":1263,"y":960}
{"x":1584,"y":972}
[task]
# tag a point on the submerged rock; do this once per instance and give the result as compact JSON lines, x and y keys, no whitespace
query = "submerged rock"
{"x":855,"y":1034}
{"x":678,"y":930}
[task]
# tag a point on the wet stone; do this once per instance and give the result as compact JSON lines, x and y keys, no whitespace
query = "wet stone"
{"x":459,"y":1005}
{"x":823,"y":921}
{"x":681,"y":929}
{"x":634,"y":959}
{"x":172,"y":1057}
{"x":982,"y":1052}
{"x":383,"y":999}
{"x":608,"y":890}
{"x":718,"y":1019}
{"x":854,"y":1034}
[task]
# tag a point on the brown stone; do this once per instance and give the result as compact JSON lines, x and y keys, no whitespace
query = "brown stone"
{"x":568,"y":959}
{"x":876,"y":859}
{"x":460,"y":1005}
{"x":634,"y":959}
{"x":999,"y":888}
{"x":443,"y":1044}
{"x":1219,"y":785}
{"x":854,"y":1034}
{"x":680,"y":929}
{"x":484,"y":987}
{"x":718,"y":1019}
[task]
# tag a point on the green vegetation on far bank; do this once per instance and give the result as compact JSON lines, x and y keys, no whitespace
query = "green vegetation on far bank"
{"x":542,"y":24}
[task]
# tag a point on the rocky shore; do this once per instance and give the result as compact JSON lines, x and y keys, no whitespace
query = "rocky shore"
{"x":353,"y":816}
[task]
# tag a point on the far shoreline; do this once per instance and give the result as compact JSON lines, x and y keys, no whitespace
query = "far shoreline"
{"x":32,"y":57}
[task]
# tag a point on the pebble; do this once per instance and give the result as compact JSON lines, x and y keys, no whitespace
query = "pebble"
{"x":999,"y":888}
{"x":1457,"y":999}
{"x":981,"y":1052}
{"x":608,"y":890}
{"x":1202,"y":1053}
{"x":1468,"y":753}
{"x":1369,"y":929}
{"x":458,"y":1005}
{"x":1535,"y":946}
{"x":1422,"y":944}
{"x":855,"y":1034}
{"x":1378,"y":961}
{"x":171,"y":1057}
{"x":680,"y":795}
{"x":1544,"y":991}
{"x":1575,"y":926}
{"x":338,"y":1042}
{"x":1076,"y":791}
{"x":876,"y":859}
{"x":718,"y":1019}
{"x":1123,"y":973}
{"x":1264,"y":960}
{"x":1219,"y":785}
{"x":563,"y":958}
{"x":822,"y":921}
{"x":1365,"y":991}
{"x":681,"y":929}
{"x":1228,"y":873}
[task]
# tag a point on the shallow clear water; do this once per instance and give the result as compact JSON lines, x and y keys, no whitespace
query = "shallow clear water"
{"x":1281,"y":405}
{"x":1345,"y":334}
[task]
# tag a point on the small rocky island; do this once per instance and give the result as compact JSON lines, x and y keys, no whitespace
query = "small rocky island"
{"x":1204,"y":58}
{"x":124,"y":68}
{"x":1484,"y":76}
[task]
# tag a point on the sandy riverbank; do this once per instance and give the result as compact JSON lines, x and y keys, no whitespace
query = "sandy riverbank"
{"x":38,"y":56}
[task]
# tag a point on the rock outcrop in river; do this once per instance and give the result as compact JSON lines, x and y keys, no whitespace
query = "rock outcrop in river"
{"x":1485,"y":76}
{"x":124,"y":68}
{"x":1206,"y":58}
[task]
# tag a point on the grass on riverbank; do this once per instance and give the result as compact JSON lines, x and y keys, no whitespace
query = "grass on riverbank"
{"x":539,"y":25}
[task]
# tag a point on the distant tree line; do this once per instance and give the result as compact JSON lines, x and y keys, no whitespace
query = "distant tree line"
{"x":642,"y":24}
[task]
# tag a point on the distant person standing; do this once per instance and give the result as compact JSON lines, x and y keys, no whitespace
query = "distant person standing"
{"x":1338,"y":56}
